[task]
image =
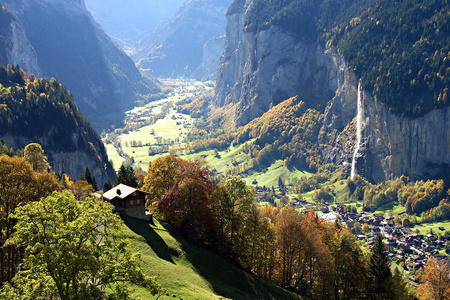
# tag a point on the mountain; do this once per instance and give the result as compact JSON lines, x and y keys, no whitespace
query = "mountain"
{"x":126,"y":21}
{"x":15,"y":47}
{"x":43,"y":111}
{"x":70,"y":46}
{"x":187,"y":44}
{"x":321,"y":50}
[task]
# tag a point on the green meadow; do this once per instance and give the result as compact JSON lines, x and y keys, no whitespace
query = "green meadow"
{"x":186,"y":271}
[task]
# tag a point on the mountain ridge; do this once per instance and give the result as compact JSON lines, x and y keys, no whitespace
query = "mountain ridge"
{"x":73,"y":48}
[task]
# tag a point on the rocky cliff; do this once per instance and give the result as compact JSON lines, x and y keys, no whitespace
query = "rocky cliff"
{"x":71,"y":47}
{"x":392,"y":145}
{"x":70,"y":162}
{"x":187,"y":44}
{"x":260,"y":69}
{"x":15,"y":47}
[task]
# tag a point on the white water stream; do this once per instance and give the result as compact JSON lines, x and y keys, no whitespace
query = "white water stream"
{"x":359,"y":125}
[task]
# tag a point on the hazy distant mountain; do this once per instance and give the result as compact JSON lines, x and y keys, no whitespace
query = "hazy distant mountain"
{"x":71,"y":47}
{"x":126,"y":21}
{"x":188,"y":44}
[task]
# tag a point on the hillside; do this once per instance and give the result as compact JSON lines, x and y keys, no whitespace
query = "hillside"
{"x":70,"y":46}
{"x":320,"y":51}
{"x":187,"y":44}
{"x":43,"y":111}
{"x":189,"y":272}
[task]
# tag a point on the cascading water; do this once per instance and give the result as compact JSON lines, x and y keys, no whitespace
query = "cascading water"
{"x":359,"y":125}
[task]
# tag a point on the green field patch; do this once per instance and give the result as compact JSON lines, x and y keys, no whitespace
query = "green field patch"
{"x":114,"y":156}
{"x":270,"y":176}
{"x":425,"y":228}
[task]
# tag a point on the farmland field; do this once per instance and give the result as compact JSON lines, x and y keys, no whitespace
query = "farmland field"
{"x":154,"y":125}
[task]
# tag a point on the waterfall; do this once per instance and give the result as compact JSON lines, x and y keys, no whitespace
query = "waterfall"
{"x":359,"y":124}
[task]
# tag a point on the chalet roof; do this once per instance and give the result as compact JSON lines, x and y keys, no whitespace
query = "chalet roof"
{"x":121,"y":191}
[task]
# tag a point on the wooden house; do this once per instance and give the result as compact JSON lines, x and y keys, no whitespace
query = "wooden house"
{"x":125,"y":197}
{"x":129,"y":200}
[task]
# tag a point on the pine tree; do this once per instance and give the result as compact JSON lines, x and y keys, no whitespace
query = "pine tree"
{"x":379,"y":272}
{"x":90,"y":179}
{"x":126,"y":176}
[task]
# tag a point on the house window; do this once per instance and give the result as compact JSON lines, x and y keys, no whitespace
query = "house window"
{"x":131,"y":202}
{"x":138,"y":201}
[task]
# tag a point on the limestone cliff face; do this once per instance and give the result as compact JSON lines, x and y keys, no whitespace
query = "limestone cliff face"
{"x":260,"y":70}
{"x":70,"y":162}
{"x":14,"y":44}
{"x":392,"y":145}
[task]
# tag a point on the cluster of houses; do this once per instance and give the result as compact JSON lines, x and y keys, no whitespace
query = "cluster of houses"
{"x":404,"y":246}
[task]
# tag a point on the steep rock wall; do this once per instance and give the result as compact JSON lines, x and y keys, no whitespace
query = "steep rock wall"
{"x":259,"y":70}
{"x":15,"y":47}
{"x":392,"y":146}
{"x":69,"y":162}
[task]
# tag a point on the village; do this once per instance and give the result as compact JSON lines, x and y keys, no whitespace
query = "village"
{"x":406,"y":248}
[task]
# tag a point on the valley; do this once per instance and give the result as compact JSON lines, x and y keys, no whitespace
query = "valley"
{"x":283,"y":149}
{"x":157,"y":129}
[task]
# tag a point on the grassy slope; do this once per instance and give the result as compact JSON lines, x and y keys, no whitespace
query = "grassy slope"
{"x":190,"y":272}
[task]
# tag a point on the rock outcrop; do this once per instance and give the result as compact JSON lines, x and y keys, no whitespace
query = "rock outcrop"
{"x":258,"y":70}
{"x":15,"y":48}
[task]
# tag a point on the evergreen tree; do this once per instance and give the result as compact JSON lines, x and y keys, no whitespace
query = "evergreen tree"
{"x":107,"y":186}
{"x":90,"y":179}
{"x":126,"y":176}
{"x":379,"y":272}
{"x":280,"y":183}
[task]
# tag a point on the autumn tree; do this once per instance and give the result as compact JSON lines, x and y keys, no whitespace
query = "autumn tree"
{"x":19,"y":184}
{"x":34,"y":154}
{"x":233,"y":206}
{"x":436,"y":280}
{"x":186,"y":205}
{"x":161,"y":177}
{"x":179,"y":192}
{"x":82,"y":189}
{"x":72,"y":251}
{"x":289,"y":238}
